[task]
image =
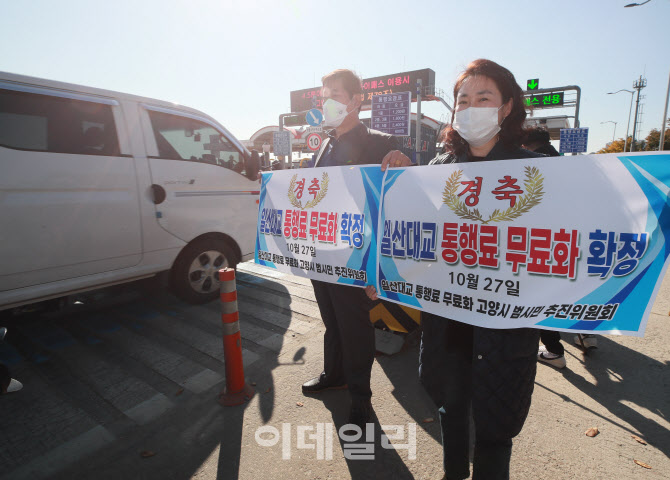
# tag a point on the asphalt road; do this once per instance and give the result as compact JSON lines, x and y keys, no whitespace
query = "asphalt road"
{"x":124,"y":385}
{"x":119,"y":359}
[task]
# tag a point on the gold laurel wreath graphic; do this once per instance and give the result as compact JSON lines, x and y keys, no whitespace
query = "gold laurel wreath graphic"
{"x":533,"y":184}
{"x":312,"y":203}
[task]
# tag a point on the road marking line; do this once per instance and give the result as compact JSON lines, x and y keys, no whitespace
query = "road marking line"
{"x":203,"y":381}
{"x":65,"y":454}
{"x":149,"y":409}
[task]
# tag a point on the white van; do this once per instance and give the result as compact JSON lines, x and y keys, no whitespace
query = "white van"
{"x":100,"y":187}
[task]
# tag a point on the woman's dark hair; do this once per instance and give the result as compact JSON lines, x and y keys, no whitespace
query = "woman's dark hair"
{"x":511,"y":129}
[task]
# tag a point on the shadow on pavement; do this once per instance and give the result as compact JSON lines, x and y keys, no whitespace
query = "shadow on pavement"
{"x":182,"y":439}
{"x":624,"y":375}
{"x":382,"y":463}
{"x":402,"y":370}
{"x":257,"y":299}
{"x":230,"y":445}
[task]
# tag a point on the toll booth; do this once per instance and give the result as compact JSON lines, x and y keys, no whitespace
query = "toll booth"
{"x":430,"y":130}
{"x":552,"y":124}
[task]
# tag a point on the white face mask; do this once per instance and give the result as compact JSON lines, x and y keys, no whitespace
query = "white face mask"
{"x":477,"y":125}
{"x":334,"y":112}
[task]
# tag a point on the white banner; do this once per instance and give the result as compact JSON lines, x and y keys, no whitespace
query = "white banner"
{"x":573,"y":243}
{"x":320,"y":223}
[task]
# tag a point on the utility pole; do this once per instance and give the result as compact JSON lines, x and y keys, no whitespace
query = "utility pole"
{"x":419,"y":85}
{"x":637,"y":85}
{"x":665,"y":118}
{"x":281,"y":129}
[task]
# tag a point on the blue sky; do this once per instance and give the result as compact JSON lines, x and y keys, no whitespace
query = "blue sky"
{"x":238,"y":61}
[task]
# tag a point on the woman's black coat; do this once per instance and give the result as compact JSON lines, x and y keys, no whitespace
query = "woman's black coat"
{"x":504,"y":361}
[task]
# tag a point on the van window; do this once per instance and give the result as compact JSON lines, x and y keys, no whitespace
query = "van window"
{"x":30,"y":121}
{"x":182,"y":138}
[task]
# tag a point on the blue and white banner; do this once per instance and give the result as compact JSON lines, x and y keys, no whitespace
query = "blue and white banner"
{"x":321,"y":223}
{"x":571,"y":243}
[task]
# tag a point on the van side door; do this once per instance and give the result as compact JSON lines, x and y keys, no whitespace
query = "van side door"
{"x":68,"y":187}
{"x":200,"y":174}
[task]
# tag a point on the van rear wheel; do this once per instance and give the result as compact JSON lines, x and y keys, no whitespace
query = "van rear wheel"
{"x":195,"y":273}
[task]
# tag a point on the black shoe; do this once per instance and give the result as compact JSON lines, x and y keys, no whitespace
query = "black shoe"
{"x":319,"y":384}
{"x":361,"y":411}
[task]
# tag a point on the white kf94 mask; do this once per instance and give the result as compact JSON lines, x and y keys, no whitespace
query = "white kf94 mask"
{"x":334,"y":112}
{"x":477,"y":125}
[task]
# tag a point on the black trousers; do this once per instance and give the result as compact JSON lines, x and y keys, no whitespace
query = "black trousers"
{"x":552,"y":340}
{"x":446,"y":372}
{"x":349,"y":341}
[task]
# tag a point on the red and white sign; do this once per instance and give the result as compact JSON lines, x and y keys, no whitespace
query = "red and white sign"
{"x":313,"y":141}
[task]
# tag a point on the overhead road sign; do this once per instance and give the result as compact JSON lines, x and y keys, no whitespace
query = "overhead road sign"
{"x":533,"y":84}
{"x":297,"y":120}
{"x":574,"y":140}
{"x":557,"y":91}
{"x":381,"y":85}
{"x":391,"y":113}
{"x":545,"y":100}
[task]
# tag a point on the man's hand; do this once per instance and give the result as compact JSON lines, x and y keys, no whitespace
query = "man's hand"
{"x":395,"y":158}
{"x":371,"y":292}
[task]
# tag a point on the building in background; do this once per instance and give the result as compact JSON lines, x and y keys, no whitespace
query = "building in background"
{"x":430,"y":129}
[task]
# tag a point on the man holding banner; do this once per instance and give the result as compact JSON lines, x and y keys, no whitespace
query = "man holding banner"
{"x":501,"y":247}
{"x":349,"y":340}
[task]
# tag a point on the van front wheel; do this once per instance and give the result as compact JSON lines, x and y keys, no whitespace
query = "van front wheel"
{"x":195,"y":273}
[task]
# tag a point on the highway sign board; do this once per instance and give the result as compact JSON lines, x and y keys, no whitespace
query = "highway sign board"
{"x":545,"y":100}
{"x":574,"y":140}
{"x":384,"y":84}
{"x":391,"y":113}
{"x":297,"y":120}
{"x":282,"y":143}
{"x":314,"y":117}
{"x":533,"y":84}
{"x":313,"y":141}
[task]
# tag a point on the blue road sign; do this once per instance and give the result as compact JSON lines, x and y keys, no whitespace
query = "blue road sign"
{"x":574,"y":140}
{"x":314,"y":117}
{"x":391,"y":113}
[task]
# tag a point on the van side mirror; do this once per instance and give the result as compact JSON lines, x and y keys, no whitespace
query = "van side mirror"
{"x":252,"y":165}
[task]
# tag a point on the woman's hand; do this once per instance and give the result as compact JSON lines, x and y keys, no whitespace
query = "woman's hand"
{"x":371,"y":292}
{"x":395,"y":158}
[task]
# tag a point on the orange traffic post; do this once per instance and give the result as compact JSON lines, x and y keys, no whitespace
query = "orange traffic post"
{"x":237,"y":391}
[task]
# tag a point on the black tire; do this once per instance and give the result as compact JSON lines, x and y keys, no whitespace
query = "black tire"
{"x":194,"y":275}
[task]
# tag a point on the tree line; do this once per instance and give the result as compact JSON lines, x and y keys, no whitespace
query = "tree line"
{"x":648,"y":144}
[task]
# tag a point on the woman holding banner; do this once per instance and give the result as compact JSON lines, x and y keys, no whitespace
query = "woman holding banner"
{"x":466,"y":369}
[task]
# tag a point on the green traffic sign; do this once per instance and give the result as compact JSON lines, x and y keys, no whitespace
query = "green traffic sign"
{"x":533,"y":84}
{"x":295,"y":120}
{"x":545,"y":100}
